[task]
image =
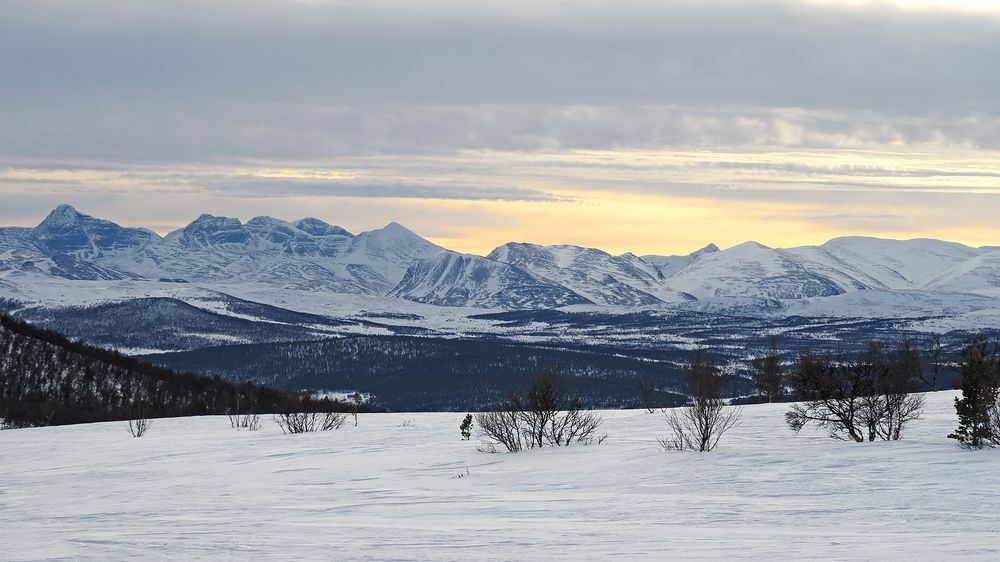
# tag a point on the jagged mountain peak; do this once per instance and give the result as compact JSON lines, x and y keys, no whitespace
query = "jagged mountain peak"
{"x":68,"y":232}
{"x":265,"y":220}
{"x":317,"y":227}
{"x":394,"y":229}
{"x":210,"y":230}
{"x":708,"y":249}
{"x":63,"y":214}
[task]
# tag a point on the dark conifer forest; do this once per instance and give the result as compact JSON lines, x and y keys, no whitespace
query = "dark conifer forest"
{"x":46,"y":379}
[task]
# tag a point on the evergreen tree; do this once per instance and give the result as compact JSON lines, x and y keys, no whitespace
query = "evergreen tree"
{"x":466,"y":427}
{"x":977,"y":408}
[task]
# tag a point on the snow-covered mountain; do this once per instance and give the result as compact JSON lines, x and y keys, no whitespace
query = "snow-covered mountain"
{"x":453,"y":279}
{"x":308,"y":253}
{"x":900,"y":264}
{"x":669,"y":265}
{"x":752,"y":270}
{"x":980,"y":275}
{"x":312,"y":255}
{"x":593,"y":274}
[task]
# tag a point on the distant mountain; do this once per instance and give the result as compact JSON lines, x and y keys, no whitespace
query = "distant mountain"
{"x":308,"y":253}
{"x":597,"y":276}
{"x":669,"y":265}
{"x":453,"y":279}
{"x":980,"y":275}
{"x":752,"y":270}
{"x":900,"y":264}
{"x":65,"y":232}
{"x":312,"y":255}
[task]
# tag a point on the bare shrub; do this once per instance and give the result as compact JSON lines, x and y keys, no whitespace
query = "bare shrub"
{"x":869,"y":398}
{"x":139,"y":423}
{"x":700,"y":425}
{"x":546,"y":416}
{"x":893,"y":404}
{"x":356,"y":401}
{"x":502,"y":426}
{"x":647,"y":392}
{"x":241,"y":415}
{"x":935,"y":353}
{"x":139,"y":426}
{"x":305,"y":422}
{"x":250,"y":422}
{"x":768,"y":376}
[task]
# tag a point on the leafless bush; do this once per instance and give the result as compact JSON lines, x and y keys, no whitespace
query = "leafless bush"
{"x":356,"y":402}
{"x":546,"y":416}
{"x":892,"y":404}
{"x":768,"y":376}
{"x":502,"y":426}
{"x":647,"y":393}
{"x":139,"y":423}
{"x":139,"y":426}
{"x":250,"y":422}
{"x":242,"y":417}
{"x":869,"y":398}
{"x":700,"y":425}
{"x":305,"y":422}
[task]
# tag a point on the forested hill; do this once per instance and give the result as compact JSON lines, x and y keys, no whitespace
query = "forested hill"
{"x":45,"y":379}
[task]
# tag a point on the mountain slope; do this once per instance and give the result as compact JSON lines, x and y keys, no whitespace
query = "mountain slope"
{"x":46,"y":379}
{"x":899,"y":264}
{"x":595,"y":275}
{"x":669,"y":265}
{"x":752,"y":270}
{"x":980,"y":274}
{"x":453,"y":279}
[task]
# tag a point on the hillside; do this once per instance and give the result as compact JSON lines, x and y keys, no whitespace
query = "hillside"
{"x":453,"y":279}
{"x":46,"y":379}
{"x":405,"y":486}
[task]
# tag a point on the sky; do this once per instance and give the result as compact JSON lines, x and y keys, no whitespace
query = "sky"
{"x":635,"y":125}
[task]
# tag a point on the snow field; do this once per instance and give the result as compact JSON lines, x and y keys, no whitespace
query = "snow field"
{"x":406,"y":487}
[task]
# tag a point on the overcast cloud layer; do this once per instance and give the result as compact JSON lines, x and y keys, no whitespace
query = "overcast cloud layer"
{"x":512,"y":106}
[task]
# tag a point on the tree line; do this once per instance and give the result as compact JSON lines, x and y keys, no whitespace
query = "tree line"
{"x":46,"y":379}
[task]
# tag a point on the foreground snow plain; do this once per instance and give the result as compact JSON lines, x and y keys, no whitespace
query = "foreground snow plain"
{"x":404,"y":486}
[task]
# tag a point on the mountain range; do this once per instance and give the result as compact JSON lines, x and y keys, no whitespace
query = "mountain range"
{"x":307,"y":304}
{"x":309,"y":254}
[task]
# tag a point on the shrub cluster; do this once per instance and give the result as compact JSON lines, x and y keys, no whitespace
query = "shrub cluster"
{"x":543,"y":415}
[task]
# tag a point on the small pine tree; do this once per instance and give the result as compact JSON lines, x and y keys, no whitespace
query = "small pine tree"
{"x":980,"y":383}
{"x":466,"y":427}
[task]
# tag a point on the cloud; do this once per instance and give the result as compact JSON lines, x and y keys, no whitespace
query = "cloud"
{"x":185,"y":81}
{"x":837,"y":108}
{"x":254,"y":186}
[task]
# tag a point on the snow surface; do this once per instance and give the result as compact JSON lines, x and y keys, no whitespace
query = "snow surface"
{"x":404,"y":486}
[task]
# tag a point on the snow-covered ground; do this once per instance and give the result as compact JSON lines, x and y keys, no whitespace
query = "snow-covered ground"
{"x":404,"y":486}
